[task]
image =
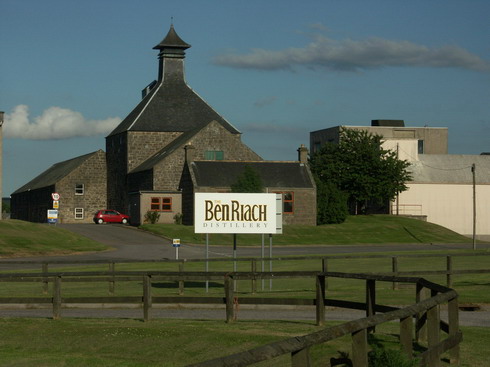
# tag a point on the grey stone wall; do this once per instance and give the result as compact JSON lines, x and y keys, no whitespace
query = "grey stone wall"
{"x":142,"y":145}
{"x":168,"y":173}
{"x":92,"y":174}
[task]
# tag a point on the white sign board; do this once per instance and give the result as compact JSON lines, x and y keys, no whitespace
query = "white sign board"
{"x":235,"y":213}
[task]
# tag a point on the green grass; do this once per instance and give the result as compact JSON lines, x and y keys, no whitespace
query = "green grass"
{"x":132,"y":343}
{"x":19,"y":238}
{"x":361,"y":229}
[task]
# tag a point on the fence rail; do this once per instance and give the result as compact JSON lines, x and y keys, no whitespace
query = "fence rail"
{"x":418,"y":322}
{"x":324,"y":263}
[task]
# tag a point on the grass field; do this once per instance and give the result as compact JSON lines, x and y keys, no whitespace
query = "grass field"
{"x":19,"y":238}
{"x":361,"y":229}
{"x":132,"y":343}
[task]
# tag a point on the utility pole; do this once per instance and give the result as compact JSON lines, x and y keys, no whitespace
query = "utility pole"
{"x":473,"y":169}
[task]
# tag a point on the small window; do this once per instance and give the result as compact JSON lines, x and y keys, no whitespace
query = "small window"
{"x":79,"y":189}
{"x":161,"y":204}
{"x":78,"y":213}
{"x":155,"y":203}
{"x":214,"y":155}
{"x":167,"y":204}
{"x":421,"y":147}
{"x":287,"y":202}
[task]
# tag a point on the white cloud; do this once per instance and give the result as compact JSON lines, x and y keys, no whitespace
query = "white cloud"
{"x":54,"y":123}
{"x":354,"y":56}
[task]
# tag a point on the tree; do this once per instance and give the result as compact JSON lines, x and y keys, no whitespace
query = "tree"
{"x":248,"y":181}
{"x":359,"y":166}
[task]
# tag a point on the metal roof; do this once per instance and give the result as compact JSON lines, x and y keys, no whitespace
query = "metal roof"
{"x":450,"y":169}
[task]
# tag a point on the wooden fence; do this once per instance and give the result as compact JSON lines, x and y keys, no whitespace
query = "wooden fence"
{"x":324,"y":263}
{"x":425,"y":311}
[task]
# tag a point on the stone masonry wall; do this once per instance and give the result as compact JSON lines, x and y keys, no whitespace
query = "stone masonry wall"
{"x":92,"y":174}
{"x":142,"y":145}
{"x":167,"y":174}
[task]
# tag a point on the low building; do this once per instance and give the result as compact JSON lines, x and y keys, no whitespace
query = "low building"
{"x":442,"y":186}
{"x":430,"y":140}
{"x":80,"y":182}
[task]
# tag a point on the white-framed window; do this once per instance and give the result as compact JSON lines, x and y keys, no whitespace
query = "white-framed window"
{"x":78,"y":213}
{"x":79,"y":189}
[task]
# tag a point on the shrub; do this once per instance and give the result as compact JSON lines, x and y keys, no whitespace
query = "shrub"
{"x":152,"y":216}
{"x":380,"y":357}
{"x":178,"y":218}
{"x":331,"y":204}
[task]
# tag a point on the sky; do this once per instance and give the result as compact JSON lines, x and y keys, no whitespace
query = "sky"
{"x":71,"y":70}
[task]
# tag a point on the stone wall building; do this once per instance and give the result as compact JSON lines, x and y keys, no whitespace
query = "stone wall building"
{"x":146,"y":153}
{"x":81,"y":183}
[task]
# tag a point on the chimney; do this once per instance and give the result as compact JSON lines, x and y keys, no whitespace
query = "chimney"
{"x":303,"y":154}
{"x":190,"y":151}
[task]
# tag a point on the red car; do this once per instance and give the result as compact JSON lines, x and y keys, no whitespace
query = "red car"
{"x":110,"y":216}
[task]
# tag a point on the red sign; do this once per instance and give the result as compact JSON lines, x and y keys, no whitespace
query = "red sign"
{"x":55,"y":196}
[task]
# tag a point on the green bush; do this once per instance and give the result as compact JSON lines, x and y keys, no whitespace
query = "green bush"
{"x":178,"y":218}
{"x":380,"y":357}
{"x":152,"y":217}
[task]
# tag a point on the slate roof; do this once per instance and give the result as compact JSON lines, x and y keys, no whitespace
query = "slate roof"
{"x":172,"y":40}
{"x":273,"y":174}
{"x":450,"y":169}
{"x":55,"y":173}
{"x":171,"y":107}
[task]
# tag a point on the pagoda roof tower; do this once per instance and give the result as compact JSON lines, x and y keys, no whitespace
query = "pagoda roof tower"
{"x":169,"y":104}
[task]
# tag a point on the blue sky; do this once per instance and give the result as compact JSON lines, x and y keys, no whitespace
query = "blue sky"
{"x":275,"y":69}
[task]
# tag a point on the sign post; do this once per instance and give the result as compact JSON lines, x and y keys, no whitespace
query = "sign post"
{"x":176,"y":244}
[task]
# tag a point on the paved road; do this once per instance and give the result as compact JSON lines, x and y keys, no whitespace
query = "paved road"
{"x":129,"y":243}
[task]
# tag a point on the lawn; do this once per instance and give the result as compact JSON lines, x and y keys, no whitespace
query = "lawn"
{"x":132,"y":343}
{"x":361,"y":229}
{"x":20,"y":238}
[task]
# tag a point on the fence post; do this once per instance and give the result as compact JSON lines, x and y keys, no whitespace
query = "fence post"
{"x":181,"y":282}
{"x":394,"y":269}
{"x":406,"y":336}
{"x":421,"y":317}
{"x":320,"y":300}
{"x":45,"y":279}
{"x":146,"y":297}
{"x":57,"y":298}
{"x":112,"y":282}
{"x":301,"y":358}
{"x":449,"y":269}
{"x":433,"y":331}
{"x":254,"y":279}
{"x":230,"y":312}
{"x":453,"y":318}
{"x":359,"y":348}
{"x":324,"y":270}
{"x":370,"y":300}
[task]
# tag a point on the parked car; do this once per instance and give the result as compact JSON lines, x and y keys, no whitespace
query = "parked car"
{"x":110,"y":216}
